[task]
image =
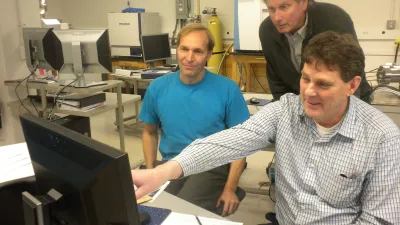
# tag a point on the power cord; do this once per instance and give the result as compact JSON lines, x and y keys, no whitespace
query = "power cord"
{"x":173,"y":42}
{"x":373,"y":71}
{"x":223,"y":57}
{"x":269,"y":193}
{"x":255,"y":76}
{"x":55,"y":99}
{"x":19,"y":83}
{"x":239,"y":70}
{"x":397,"y":52}
{"x":268,"y":168}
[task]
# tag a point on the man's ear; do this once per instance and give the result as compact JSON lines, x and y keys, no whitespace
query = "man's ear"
{"x":305,"y":5}
{"x":354,"y":84}
{"x":209,"y":55}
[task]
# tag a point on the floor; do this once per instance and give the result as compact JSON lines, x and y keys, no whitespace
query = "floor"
{"x":252,"y":209}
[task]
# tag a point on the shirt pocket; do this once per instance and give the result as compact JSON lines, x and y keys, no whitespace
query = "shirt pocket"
{"x":337,"y":190}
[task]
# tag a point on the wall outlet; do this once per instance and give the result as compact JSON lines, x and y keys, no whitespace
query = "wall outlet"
{"x":391,"y":24}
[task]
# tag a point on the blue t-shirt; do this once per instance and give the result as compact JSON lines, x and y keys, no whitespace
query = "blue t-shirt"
{"x":188,"y":112}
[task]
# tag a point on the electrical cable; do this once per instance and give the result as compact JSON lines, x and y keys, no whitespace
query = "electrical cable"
{"x":269,"y":193}
{"x":19,"y":83}
{"x":258,"y":80}
{"x":372,"y":71}
{"x":55,"y":99}
{"x":268,"y":168}
{"x":223,"y":58}
{"x":239,"y":70}
{"x":385,"y":89}
{"x":173,"y":43}
{"x":397,"y":52}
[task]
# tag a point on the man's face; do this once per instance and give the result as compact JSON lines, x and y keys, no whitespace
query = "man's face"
{"x":193,"y":53}
{"x":324,"y":94}
{"x":288,"y":16}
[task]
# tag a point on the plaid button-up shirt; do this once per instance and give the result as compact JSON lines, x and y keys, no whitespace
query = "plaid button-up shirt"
{"x":349,"y":176}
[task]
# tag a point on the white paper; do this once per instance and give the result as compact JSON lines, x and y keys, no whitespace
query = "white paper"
{"x":155,"y":194}
{"x":51,"y":21}
{"x":186,"y":219}
{"x":163,"y":71}
{"x":15,"y":163}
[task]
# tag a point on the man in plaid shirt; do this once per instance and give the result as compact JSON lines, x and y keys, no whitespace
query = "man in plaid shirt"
{"x":337,"y":158}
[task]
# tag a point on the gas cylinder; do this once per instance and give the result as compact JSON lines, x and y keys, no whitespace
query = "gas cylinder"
{"x":214,"y":25}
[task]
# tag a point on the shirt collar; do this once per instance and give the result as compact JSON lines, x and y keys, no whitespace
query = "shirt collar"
{"x":348,"y":127}
{"x":302,"y":32}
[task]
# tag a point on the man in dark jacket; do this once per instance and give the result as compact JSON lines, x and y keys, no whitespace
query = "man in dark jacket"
{"x":285,"y":33}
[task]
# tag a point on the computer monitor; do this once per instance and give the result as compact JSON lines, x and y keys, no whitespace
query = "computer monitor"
{"x":42,"y":49}
{"x":155,"y":47}
{"x":93,"y":179}
{"x":85,"y":51}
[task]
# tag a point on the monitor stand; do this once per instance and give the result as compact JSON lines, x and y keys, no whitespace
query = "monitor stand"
{"x":37,"y":208}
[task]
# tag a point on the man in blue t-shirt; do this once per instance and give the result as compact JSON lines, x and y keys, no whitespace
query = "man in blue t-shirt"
{"x":189,"y":104}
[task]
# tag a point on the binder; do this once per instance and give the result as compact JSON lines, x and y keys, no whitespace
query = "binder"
{"x":83,"y":100}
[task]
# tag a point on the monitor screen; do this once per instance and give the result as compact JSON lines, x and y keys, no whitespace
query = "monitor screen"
{"x":94,"y":179}
{"x":42,"y":49}
{"x":94,"y":55}
{"x":155,"y":47}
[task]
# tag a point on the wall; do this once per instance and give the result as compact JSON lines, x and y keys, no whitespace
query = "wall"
{"x":369,"y":17}
{"x":93,"y":13}
{"x":11,"y":64}
{"x":54,"y":9}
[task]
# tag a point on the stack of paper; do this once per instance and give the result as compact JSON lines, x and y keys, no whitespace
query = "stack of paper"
{"x":15,"y":163}
{"x":83,"y":109}
{"x":180,"y":218}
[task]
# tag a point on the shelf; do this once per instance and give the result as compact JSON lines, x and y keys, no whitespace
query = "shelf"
{"x":55,"y":86}
{"x":111,"y":103}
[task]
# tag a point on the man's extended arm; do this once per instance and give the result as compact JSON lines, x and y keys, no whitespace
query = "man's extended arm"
{"x":216,"y":150}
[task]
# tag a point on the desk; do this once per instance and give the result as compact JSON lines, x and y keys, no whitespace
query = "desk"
{"x":129,"y":62}
{"x":168,"y":201}
{"x":252,"y":108}
{"x":246,"y":60}
{"x":132,"y":80}
{"x":115,"y":101}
